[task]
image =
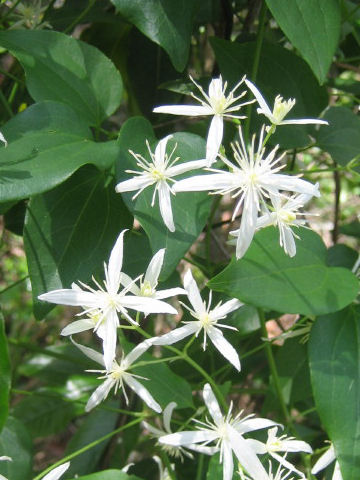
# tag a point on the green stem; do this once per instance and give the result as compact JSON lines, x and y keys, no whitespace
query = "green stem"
{"x":80,"y":17}
{"x":88,"y":447}
{"x":11,"y":9}
{"x":200,"y":467}
{"x":166,"y":462}
{"x":6,"y":104}
{"x":13,"y":284}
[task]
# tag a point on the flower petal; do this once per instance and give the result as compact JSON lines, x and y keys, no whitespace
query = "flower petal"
{"x":292,"y":184}
{"x":228,"y":462}
{"x":115,"y":263}
{"x":185,"y":167}
{"x":137,"y":351}
{"x":214,"y":139}
{"x":110,"y":339}
{"x":212,"y":404}
{"x":165,"y":205}
{"x":89,"y":352}
{"x":223,"y":310}
{"x":78,"y":326}
{"x":191,"y":110}
{"x":160,"y":151}
{"x":188,"y":437}
{"x":143,"y":393}
{"x":169,"y":292}
{"x":56,"y":473}
{"x":147,"y":304}
{"x":200,"y":183}
{"x":260,"y":99}
{"x":304,"y":121}
{"x":176,"y":335}
{"x":337,"y":473}
{"x":250,"y":424}
{"x":167,"y":415}
{"x":248,"y":224}
{"x":224,"y":347}
{"x":193,"y":293}
{"x":68,"y":296}
{"x":154,"y":268}
{"x":137,"y":183}
{"x":3,"y":139}
{"x":100,"y":394}
{"x":325,"y":459}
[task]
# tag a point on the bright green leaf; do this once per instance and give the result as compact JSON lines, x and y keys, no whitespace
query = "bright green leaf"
{"x":5,"y":374}
{"x":313,"y":27}
{"x":70,"y":231}
{"x":334,"y":351}
{"x":165,"y":22}
{"x":61,"y":68}
{"x":15,"y":443}
{"x":266,"y":277}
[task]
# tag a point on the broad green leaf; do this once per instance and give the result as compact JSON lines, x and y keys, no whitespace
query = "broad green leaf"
{"x":215,"y":469}
{"x":352,"y":229}
{"x":15,"y":443}
{"x":334,"y":351}
{"x":266,"y":277}
{"x":69,"y":232}
{"x":61,"y":68}
{"x":280,"y":72}
{"x":44,"y":415}
{"x":190,"y":210}
{"x":5,"y":374}
{"x":341,"y":138}
{"x":110,"y":475}
{"x":341,"y":255}
{"x":95,"y":425}
{"x":313,"y":27}
{"x":167,"y":23}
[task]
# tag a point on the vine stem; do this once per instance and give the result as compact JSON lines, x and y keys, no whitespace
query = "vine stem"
{"x":88,"y":447}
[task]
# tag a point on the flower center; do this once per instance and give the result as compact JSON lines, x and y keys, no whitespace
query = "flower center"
{"x":205,"y":320}
{"x":282,"y":108}
{"x":286,"y":216}
{"x":219,"y":104}
{"x":222,"y":431}
{"x":146,"y":289}
{"x":117,"y":372}
{"x":274,"y":446}
{"x":157,"y":174}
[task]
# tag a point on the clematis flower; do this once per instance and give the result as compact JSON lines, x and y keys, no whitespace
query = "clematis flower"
{"x":325,"y":460}
{"x":280,"y":474}
{"x":103,"y":305}
{"x":119,"y":376}
{"x":227,"y":432}
{"x":206,"y":321}
{"x":254,"y":179}
{"x":214,"y":103}
{"x":159,"y":172}
{"x":57,"y":472}
{"x":280,"y":110}
{"x":276,"y":444}
{"x":3,"y":139}
{"x":284,"y":216}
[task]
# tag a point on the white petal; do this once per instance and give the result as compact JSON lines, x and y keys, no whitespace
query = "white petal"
{"x":110,"y":339}
{"x":185,"y":167}
{"x":169,"y":292}
{"x":337,"y":473}
{"x":226,"y":308}
{"x":137,"y":183}
{"x":191,"y":110}
{"x":212,"y":404}
{"x":304,"y":121}
{"x":286,"y":464}
{"x":193,"y":293}
{"x":137,"y":351}
{"x":214,"y":139}
{"x":89,"y":352}
{"x":146,"y":304}
{"x":260,"y":99}
{"x":57,"y":472}
{"x":246,"y":455}
{"x":176,"y":335}
{"x":325,"y":459}
{"x":200,"y":183}
{"x":228,"y":463}
{"x":296,"y":446}
{"x":115,"y":263}
{"x":167,"y":415}
{"x":247,"y":226}
{"x":99,"y":394}
{"x":160,"y":151}
{"x":153,"y":430}
{"x":154,"y":268}
{"x":78,"y":326}
{"x":143,"y":393}
{"x":289,"y":241}
{"x":203,"y":449}
{"x":3,"y":139}
{"x":128,"y":282}
{"x":244,"y":426}
{"x":224,"y":347}
{"x":165,"y":206}
{"x":292,"y":184}
{"x":258,"y":447}
{"x":188,"y":437}
{"x":72,"y":297}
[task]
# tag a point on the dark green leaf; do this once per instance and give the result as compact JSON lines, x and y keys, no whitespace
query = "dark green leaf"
{"x":266,"y":277}
{"x":341,"y":255}
{"x":69,"y":232}
{"x":334,"y":351}
{"x":280,"y":72}
{"x":15,"y":443}
{"x":190,"y":210}
{"x":215,"y":469}
{"x":5,"y":374}
{"x":61,"y":68}
{"x":167,"y":23}
{"x":352,"y":229}
{"x":313,"y":27}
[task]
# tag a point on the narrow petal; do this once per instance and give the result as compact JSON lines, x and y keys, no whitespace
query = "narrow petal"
{"x":260,"y":99}
{"x":153,"y":430}
{"x":224,"y":347}
{"x":244,"y":426}
{"x":169,"y":292}
{"x":286,"y":464}
{"x":289,"y":241}
{"x":185,"y":167}
{"x":325,"y":459}
{"x":214,"y":139}
{"x":147,"y":305}
{"x":115,"y":263}
{"x":167,"y":415}
{"x":247,"y":226}
{"x":128,"y":283}
{"x":212,"y":404}
{"x":56,"y":473}
{"x":292,"y":184}
{"x":137,"y":183}
{"x":258,"y":447}
{"x":165,"y":206}
{"x":193,"y":293}
{"x":228,"y":462}
{"x":176,"y":335}
{"x":160,"y":151}
{"x":110,"y":339}
{"x":201,"y":183}
{"x":143,"y":393}
{"x":78,"y":326}
{"x":100,"y":394}
{"x":188,"y":437}
{"x":304,"y":121}
{"x":226,"y":308}
{"x":191,"y":110}
{"x":67,"y":296}
{"x":154,"y":268}
{"x":138,"y":351}
{"x":89,"y":352}
{"x":337,"y":473}
{"x":3,"y":139}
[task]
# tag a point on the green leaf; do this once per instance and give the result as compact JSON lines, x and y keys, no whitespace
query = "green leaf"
{"x":15,"y":443}
{"x":44,"y":415}
{"x":61,"y":68}
{"x":313,"y":27}
{"x":215,"y":469}
{"x":266,"y":277}
{"x":341,"y":137}
{"x":109,"y":475}
{"x":69,"y":232}
{"x":280,"y":72}
{"x":334,"y":351}
{"x":341,"y":255}
{"x":5,"y":374}
{"x":190,"y":210}
{"x":167,"y":23}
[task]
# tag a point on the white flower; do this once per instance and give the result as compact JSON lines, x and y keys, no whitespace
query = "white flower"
{"x":215,"y":103}
{"x":206,"y":320}
{"x":159,"y":172}
{"x":104,"y":304}
{"x":280,"y":110}
{"x":254,"y":179}
{"x":276,"y":444}
{"x":284,"y":216}
{"x":227,"y":432}
{"x":119,"y":376}
{"x":325,"y":460}
{"x":149,"y":283}
{"x":56,"y":473}
{"x":3,"y":139}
